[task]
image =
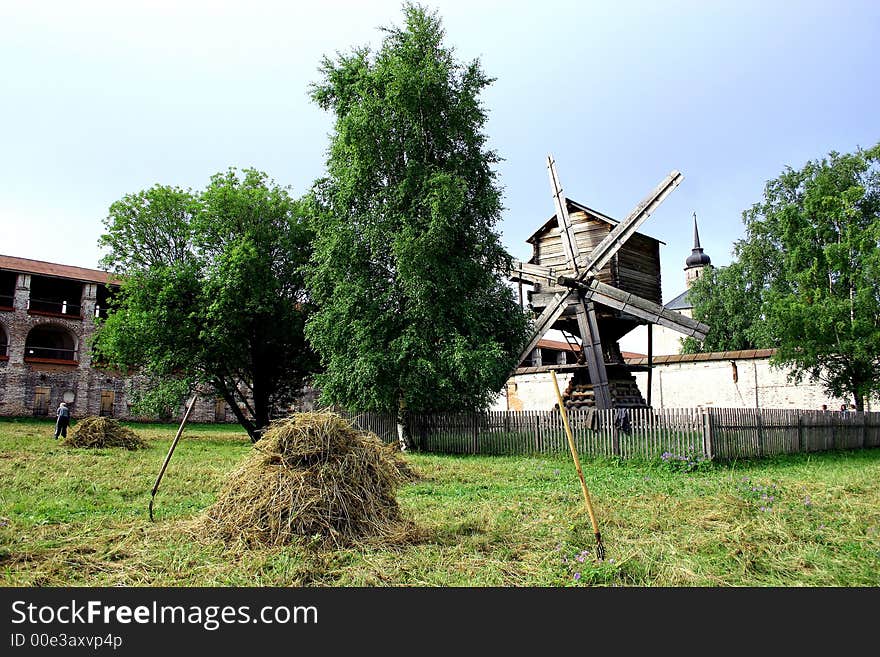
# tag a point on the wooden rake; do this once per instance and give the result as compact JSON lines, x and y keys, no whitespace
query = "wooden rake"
{"x":174,"y":442}
{"x":600,"y":549}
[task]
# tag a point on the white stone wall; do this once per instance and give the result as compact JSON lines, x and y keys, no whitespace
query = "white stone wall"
{"x":689,"y":385}
{"x":712,"y":383}
{"x":531,"y":392}
{"x":664,"y":341}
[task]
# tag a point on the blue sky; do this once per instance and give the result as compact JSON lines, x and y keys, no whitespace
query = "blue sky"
{"x":100,"y":99}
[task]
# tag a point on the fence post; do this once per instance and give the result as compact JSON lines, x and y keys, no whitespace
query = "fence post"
{"x":835,"y":429}
{"x":615,"y":436}
{"x":801,"y":438}
{"x":537,"y":432}
{"x":476,"y":446}
{"x":708,"y":447}
{"x":759,"y":418}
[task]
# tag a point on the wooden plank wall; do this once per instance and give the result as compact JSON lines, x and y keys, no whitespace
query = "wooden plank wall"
{"x":721,"y":433}
{"x":635,"y":268}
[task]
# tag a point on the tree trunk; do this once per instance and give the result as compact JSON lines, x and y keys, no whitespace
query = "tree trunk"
{"x":243,"y":420}
{"x":262,"y":410}
{"x":403,"y":435}
{"x":246,"y":424}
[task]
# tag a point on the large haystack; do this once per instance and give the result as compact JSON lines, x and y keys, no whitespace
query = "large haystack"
{"x":311,"y":477}
{"x":97,"y":432}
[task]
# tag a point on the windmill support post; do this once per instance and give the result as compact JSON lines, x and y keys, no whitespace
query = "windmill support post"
{"x":650,"y":361}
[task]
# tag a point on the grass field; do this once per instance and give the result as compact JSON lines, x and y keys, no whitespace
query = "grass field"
{"x":77,"y":517}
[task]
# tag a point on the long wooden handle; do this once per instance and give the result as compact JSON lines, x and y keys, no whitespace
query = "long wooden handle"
{"x":574,"y":455}
{"x":171,"y":451}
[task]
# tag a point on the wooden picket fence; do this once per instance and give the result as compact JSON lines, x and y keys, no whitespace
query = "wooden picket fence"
{"x":717,"y":433}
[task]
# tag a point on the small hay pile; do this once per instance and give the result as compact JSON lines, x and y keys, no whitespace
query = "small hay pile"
{"x":312,"y":477}
{"x":97,"y":432}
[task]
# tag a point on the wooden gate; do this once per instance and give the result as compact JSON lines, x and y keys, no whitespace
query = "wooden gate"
{"x":107,"y":399}
{"x":220,"y":410}
{"x":41,"y":401}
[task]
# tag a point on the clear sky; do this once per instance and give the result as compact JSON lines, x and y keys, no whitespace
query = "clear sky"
{"x":100,"y":99}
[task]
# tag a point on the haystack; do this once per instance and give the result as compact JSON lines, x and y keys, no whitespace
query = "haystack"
{"x":97,"y":432}
{"x":312,"y":477}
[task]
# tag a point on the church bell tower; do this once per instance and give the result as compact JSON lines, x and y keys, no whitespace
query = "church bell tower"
{"x":697,"y":261}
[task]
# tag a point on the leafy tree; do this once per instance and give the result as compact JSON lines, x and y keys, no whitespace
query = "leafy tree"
{"x":408,"y":271}
{"x":212,"y":294}
{"x":807,"y":276}
{"x":725,"y":292}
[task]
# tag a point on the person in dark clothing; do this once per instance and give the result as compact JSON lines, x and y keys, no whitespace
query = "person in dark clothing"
{"x":62,"y":420}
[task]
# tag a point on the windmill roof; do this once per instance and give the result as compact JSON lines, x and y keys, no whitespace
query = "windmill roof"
{"x":579,"y":207}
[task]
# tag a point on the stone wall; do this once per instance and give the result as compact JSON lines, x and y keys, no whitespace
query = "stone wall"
{"x":733,"y":383}
{"x":24,"y":379}
{"x":529,"y":392}
{"x":723,"y":383}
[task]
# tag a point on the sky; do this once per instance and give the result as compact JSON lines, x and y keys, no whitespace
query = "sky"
{"x":102,"y":99}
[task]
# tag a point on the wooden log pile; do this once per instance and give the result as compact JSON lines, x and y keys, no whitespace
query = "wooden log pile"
{"x":625,"y":393}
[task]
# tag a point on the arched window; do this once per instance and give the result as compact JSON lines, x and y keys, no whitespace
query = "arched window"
{"x":50,"y":342}
{"x":7,"y":289}
{"x":4,"y":342}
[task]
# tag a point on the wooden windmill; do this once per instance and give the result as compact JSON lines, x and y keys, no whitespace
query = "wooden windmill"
{"x":595,"y":285}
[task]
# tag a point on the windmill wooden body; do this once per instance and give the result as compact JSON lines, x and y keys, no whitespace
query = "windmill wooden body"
{"x":595,"y":279}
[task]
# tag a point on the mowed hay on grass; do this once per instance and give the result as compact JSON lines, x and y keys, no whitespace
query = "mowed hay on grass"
{"x":312,"y":477}
{"x":97,"y":432}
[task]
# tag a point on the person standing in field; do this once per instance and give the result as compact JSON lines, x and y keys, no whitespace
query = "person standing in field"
{"x":62,"y":416}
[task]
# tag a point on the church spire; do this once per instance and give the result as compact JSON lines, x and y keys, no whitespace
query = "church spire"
{"x":697,"y":260}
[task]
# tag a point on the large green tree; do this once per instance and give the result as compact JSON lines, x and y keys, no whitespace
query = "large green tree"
{"x":213,"y":294}
{"x":408,"y":272}
{"x":728,"y":301}
{"x":806,"y":278}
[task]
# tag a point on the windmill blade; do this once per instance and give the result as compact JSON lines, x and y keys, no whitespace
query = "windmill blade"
{"x":592,"y":350}
{"x":605,"y":250}
{"x":528,"y":273}
{"x":569,"y":243}
{"x":637,"y":306}
{"x":551,"y":313}
{"x":591,"y":341}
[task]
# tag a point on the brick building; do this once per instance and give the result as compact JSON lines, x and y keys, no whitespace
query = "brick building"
{"x":47,"y":318}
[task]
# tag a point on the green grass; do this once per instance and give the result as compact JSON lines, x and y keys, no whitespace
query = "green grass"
{"x":76,"y":517}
